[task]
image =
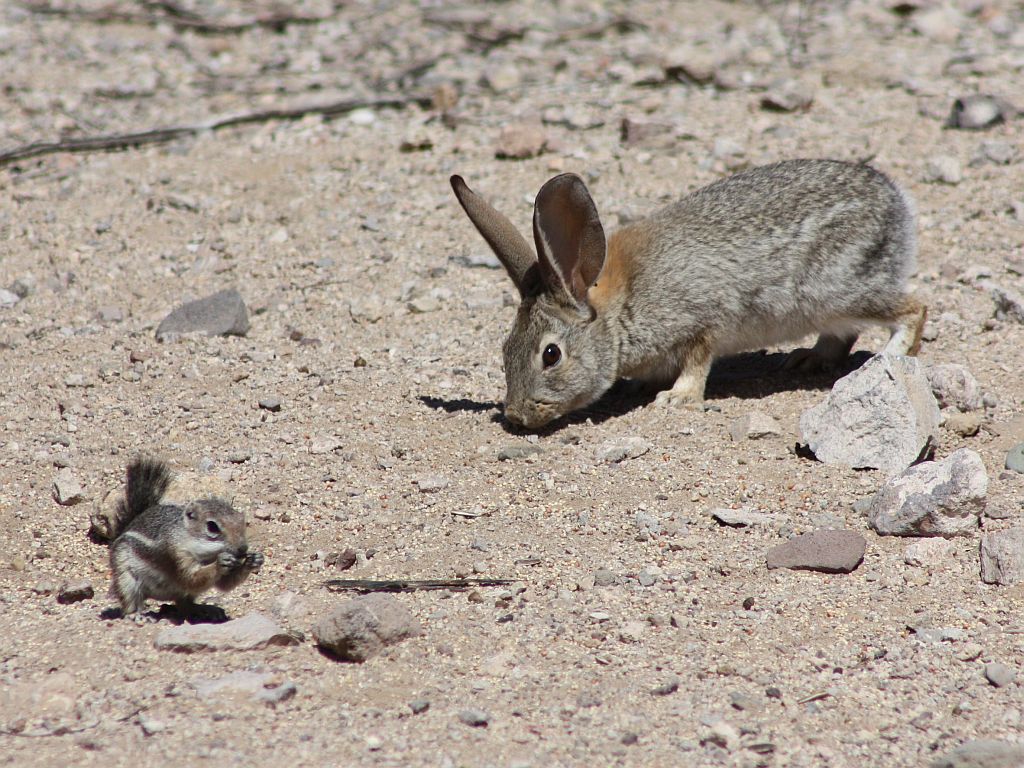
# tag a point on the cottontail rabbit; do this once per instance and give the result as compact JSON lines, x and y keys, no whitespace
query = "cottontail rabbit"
{"x":766,"y":256}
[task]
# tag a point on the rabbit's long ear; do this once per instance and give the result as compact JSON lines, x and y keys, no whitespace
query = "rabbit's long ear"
{"x":508,"y":245}
{"x":570,"y":239}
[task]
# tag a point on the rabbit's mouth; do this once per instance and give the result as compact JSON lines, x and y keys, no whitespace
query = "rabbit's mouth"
{"x":533,"y":414}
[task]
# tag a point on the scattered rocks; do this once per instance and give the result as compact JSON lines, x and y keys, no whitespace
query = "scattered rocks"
{"x":1015,"y":458}
{"x":363,"y":626}
{"x":788,"y":96}
{"x":954,"y":387}
{"x":221,"y":314}
{"x":754,"y":426}
{"x":943,"y":169}
{"x":249,"y":633}
{"x":928,"y":553}
{"x":622,"y":448}
{"x":66,"y":488}
{"x":977,"y":112}
{"x":74,"y":592}
{"x":475,"y":718}
{"x":518,"y":451}
{"x":1002,"y":556}
{"x":940,"y":498}
{"x":999,"y":674}
{"x":828,"y":551}
{"x":741,"y":518}
{"x":881,"y":416}
{"x":983,"y":753}
{"x":520,"y":141}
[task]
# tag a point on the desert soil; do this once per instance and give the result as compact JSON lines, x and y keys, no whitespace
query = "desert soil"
{"x":377,"y":321}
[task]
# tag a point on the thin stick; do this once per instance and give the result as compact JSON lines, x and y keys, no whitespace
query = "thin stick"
{"x":410,"y":585}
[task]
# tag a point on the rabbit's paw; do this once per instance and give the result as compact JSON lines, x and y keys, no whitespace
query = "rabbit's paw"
{"x":675,"y":398}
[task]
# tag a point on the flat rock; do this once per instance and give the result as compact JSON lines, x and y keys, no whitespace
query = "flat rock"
{"x":634,"y":133}
{"x":943,"y":169}
{"x":938,"y":498}
{"x":1002,"y":556}
{"x":221,"y":314}
{"x":954,"y":387}
{"x":754,"y":426}
{"x":475,"y":718}
{"x":258,"y":686}
{"x":1015,"y":458}
{"x":928,"y":553}
{"x":788,"y":95}
{"x":983,"y":753}
{"x":431,"y":483}
{"x":66,"y":488}
{"x":518,"y":451}
{"x":74,"y":592}
{"x":963,"y":424}
{"x":999,"y":675}
{"x":881,"y":416}
{"x":252,"y":632}
{"x":621,"y":448}
{"x":829,"y":551}
{"x":8,"y":298}
{"x":520,"y":141}
{"x":363,"y":626}
{"x":741,"y":518}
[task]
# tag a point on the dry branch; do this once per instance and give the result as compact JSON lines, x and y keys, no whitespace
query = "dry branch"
{"x":409,"y":585}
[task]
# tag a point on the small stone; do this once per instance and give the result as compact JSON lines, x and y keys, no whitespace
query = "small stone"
{"x":110,"y":314}
{"x":964,"y":424}
{"x":969,"y":651}
{"x":252,"y":632}
{"x":944,"y":169}
{"x":74,"y":592}
{"x":935,"y":635}
{"x":954,"y":386}
{"x":754,"y":426}
{"x":940,"y":498}
{"x":632,"y":632}
{"x":259,"y":686}
{"x":342,"y":560}
{"x":221,"y":314}
{"x":997,"y":152}
{"x":518,"y":451}
{"x":1002,"y":556}
{"x":363,"y":626}
{"x":1009,"y":303}
{"x":419,"y":706}
{"x":324,"y":444}
{"x":8,"y":298}
{"x":977,"y":112}
{"x":475,"y":718}
{"x":741,"y":518}
{"x":502,"y":78}
{"x":239,"y":457}
{"x":881,"y":416}
{"x":431,"y":483}
{"x":669,"y":686}
{"x":1015,"y":458}
{"x":635,"y":133}
{"x":422,"y":305}
{"x":828,"y":551}
{"x":928,"y":553}
{"x":603,"y":577}
{"x":728,"y":150}
{"x":151,"y":726}
{"x":270,"y":403}
{"x":478,"y":259}
{"x":999,"y":674}
{"x":520,"y":141}
{"x":983,"y":753}
{"x":362,"y":117}
{"x":788,"y":96}
{"x":622,"y":448}
{"x":941,"y":24}
{"x":66,"y":488}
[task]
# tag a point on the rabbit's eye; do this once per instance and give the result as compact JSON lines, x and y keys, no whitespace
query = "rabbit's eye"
{"x":552,"y":354}
{"x":212,"y":528}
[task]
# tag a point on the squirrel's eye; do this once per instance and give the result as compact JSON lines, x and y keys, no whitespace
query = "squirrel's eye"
{"x":552,"y":354}
{"x":212,"y":528}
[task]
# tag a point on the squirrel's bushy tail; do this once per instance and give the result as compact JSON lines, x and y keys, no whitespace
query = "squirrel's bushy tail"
{"x":146,"y":482}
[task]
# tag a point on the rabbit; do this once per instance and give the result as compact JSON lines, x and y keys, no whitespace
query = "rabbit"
{"x":762,"y":257}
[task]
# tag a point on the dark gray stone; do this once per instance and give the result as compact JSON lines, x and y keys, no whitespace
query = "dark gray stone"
{"x":74,"y":592}
{"x":476,"y":718}
{"x":362,"y":627}
{"x":222,"y":314}
{"x":828,"y":551}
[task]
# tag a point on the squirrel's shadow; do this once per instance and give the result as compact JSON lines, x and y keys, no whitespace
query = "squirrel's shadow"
{"x":198,"y":613}
{"x":748,"y":376}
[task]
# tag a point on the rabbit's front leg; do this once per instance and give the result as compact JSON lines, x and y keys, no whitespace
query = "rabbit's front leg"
{"x":694,"y":365}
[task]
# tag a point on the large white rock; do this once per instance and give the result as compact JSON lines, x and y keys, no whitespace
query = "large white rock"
{"x":881,"y":416}
{"x":938,"y":498}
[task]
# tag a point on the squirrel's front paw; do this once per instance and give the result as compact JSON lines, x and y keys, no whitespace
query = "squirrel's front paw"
{"x":226,"y":561}
{"x":254,"y":561}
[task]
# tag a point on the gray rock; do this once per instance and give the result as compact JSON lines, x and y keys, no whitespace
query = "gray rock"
{"x":66,"y":488}
{"x":741,"y":518}
{"x":934,"y":635}
{"x":828,"y":551}
{"x":259,"y":686}
{"x":998,"y":152}
{"x":419,"y":706}
{"x":881,"y":416}
{"x":669,"y":686}
{"x":520,"y":141}
{"x":1009,"y":303}
{"x":754,"y":426}
{"x":977,"y":112}
{"x":963,"y":424}
{"x":270,"y":403}
{"x":939,"y":498}
{"x":603,"y":577}
{"x":478,"y":259}
{"x":788,"y":96}
{"x":1015,"y":458}
{"x":518,"y":451}
{"x":928,"y":553}
{"x":647,"y":523}
{"x":983,"y":753}
{"x":74,"y":592}
{"x":943,"y":169}
{"x":1002,"y":556}
{"x":363,"y":626}
{"x":421,"y":305}
{"x":431,"y":483}
{"x":8,"y":298}
{"x":634,"y":133}
{"x":221,"y":314}
{"x":110,"y":314}
{"x":954,"y":386}
{"x":999,"y":674}
{"x":252,"y":632}
{"x":475,"y":718}
{"x":621,"y":448}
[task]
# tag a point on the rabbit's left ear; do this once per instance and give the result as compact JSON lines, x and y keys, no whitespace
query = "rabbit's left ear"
{"x":570,"y":239}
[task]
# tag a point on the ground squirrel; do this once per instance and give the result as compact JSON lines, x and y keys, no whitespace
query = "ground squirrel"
{"x":173,"y":551}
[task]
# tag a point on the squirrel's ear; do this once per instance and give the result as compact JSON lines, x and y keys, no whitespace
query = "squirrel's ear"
{"x":190,"y":511}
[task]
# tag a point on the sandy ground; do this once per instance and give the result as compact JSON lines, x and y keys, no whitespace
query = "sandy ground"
{"x":339,"y":239}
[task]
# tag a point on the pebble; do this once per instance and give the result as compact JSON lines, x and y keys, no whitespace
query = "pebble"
{"x":754,"y":426}
{"x":74,"y":592}
{"x":983,"y":753}
{"x":998,"y":152}
{"x":478,"y":260}
{"x":520,"y":141}
{"x":324,"y":444}
{"x":110,"y":314}
{"x":502,"y":78}
{"x":669,"y":686}
{"x":66,"y":488}
{"x":977,"y":112}
{"x":1009,"y":303}
{"x":419,"y":706}
{"x":622,"y":448}
{"x":270,"y":403}
{"x":943,"y":169}
{"x":221,"y":314}
{"x":934,"y":635}
{"x":881,"y":416}
{"x":928,"y":553}
{"x":1015,"y":458}
{"x":421,"y":305}
{"x":999,"y":674}
{"x":788,"y":95}
{"x":431,"y":483}
{"x":151,"y":726}
{"x":634,"y":133}
{"x":954,"y":386}
{"x":518,"y":451}
{"x":964,"y":424}
{"x":8,"y":298}
{"x":939,"y":498}
{"x":362,"y":627}
{"x":252,"y":632}
{"x":603,"y":577}
{"x":475,"y":718}
{"x":741,"y":518}
{"x":828,"y":551}
{"x":258,"y":686}
{"x":1002,"y":556}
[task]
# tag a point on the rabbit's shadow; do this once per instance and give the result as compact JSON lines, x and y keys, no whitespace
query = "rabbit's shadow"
{"x":197,"y":613}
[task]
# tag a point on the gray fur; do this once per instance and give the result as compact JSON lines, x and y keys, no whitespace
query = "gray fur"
{"x":171,"y":551}
{"x":760,"y":258}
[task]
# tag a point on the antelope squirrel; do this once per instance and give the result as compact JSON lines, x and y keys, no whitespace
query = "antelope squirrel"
{"x":172,"y":551}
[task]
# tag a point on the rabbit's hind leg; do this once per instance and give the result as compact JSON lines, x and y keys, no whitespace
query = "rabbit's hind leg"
{"x":907,"y":323}
{"x":827,"y":354}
